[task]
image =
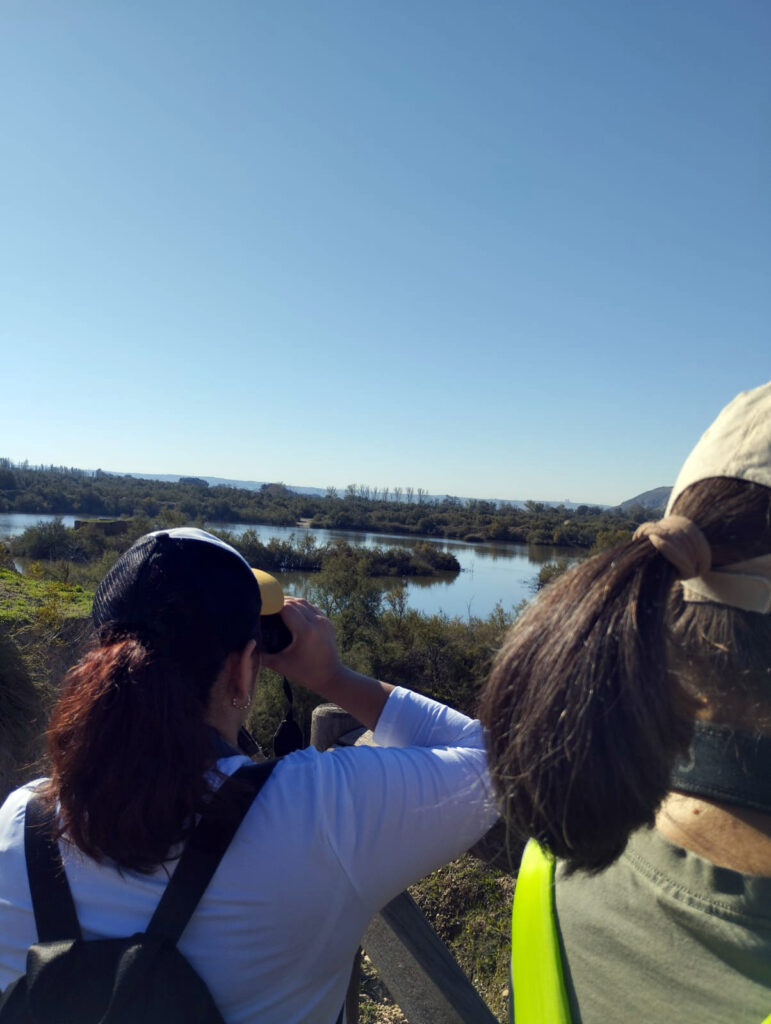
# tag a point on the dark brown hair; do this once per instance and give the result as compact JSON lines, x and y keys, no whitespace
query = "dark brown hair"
{"x":591,"y":698}
{"x":129,"y":746}
{"x":128,"y":742}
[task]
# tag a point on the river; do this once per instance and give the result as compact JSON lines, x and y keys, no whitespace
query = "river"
{"x":490,"y":573}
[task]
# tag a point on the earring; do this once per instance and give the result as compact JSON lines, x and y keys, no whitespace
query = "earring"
{"x":240,"y":707}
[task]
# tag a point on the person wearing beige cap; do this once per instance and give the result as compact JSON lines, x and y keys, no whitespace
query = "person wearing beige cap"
{"x":629,"y":715}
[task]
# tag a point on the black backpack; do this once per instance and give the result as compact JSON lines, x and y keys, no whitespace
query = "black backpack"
{"x":143,"y":979}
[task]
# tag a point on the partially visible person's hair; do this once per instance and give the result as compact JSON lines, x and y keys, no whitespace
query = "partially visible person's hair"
{"x":591,"y":698}
{"x":128,"y":743}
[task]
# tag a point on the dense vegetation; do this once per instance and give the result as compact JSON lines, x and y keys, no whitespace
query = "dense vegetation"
{"x":62,"y":491}
{"x":84,"y":554}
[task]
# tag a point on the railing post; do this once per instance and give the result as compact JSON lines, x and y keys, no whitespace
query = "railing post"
{"x":328,"y":723}
{"x":419,"y":971}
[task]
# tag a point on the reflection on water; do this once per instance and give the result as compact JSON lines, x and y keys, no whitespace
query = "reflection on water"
{"x":491,"y":574}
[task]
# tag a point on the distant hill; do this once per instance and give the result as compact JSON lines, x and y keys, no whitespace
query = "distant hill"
{"x":655,"y":499}
{"x":219,"y":481}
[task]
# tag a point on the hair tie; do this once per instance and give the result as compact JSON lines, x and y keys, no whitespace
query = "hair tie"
{"x":681,"y":542}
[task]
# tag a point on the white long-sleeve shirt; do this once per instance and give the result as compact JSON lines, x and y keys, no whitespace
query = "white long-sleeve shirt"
{"x":330,"y":839}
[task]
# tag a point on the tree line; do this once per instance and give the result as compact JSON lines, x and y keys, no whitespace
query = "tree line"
{"x":65,"y":491}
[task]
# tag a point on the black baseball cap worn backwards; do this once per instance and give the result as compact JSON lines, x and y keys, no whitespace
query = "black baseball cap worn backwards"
{"x":174,"y":586}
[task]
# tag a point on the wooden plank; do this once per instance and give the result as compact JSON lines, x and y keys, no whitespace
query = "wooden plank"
{"x":418,"y":969}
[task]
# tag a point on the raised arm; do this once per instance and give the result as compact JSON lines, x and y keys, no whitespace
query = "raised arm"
{"x":312,"y":661}
{"x":396,"y":811}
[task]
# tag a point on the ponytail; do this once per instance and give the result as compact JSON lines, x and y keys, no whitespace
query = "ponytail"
{"x":129,"y":751}
{"x":581,"y":710}
{"x":591,"y":698}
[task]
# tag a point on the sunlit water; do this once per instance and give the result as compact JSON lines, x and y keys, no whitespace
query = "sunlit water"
{"x":490,"y":573}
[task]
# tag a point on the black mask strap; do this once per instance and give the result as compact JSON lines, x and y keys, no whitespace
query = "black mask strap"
{"x":288,"y":736}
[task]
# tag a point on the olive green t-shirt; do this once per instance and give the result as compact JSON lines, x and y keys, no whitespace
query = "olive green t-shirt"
{"x":664,"y":936}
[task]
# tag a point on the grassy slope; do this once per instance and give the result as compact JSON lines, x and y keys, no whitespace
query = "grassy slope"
{"x":42,"y":625}
{"x":26,"y":601}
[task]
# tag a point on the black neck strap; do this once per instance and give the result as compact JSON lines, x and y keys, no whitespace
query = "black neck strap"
{"x":726,"y":765}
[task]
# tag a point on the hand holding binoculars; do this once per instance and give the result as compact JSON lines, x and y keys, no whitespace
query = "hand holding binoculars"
{"x":275,"y":634}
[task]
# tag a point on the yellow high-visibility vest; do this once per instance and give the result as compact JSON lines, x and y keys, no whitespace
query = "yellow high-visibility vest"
{"x":538,"y":985}
{"x":539,"y":995}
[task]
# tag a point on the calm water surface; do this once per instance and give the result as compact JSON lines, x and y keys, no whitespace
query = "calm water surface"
{"x":490,"y":573}
{"x":14,"y":523}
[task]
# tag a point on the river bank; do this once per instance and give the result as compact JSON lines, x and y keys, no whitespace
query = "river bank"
{"x":491,"y":573}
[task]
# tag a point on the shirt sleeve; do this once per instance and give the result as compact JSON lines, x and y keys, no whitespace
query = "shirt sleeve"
{"x":408,"y":719}
{"x":396,"y":813}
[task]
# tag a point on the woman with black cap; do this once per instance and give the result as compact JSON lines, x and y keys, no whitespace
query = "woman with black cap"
{"x":637,"y":691}
{"x":147,"y":728}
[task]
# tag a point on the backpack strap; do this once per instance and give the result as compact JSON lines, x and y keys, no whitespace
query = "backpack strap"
{"x":205,"y":848}
{"x":52,"y":903}
{"x":538,"y":984}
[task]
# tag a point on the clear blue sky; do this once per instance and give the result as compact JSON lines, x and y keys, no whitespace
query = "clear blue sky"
{"x":501,"y":249}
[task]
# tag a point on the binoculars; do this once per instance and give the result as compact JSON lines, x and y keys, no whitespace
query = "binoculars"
{"x":275,"y":635}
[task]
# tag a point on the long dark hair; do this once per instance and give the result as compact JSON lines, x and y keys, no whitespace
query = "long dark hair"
{"x":128,"y":743}
{"x":591,"y":698}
